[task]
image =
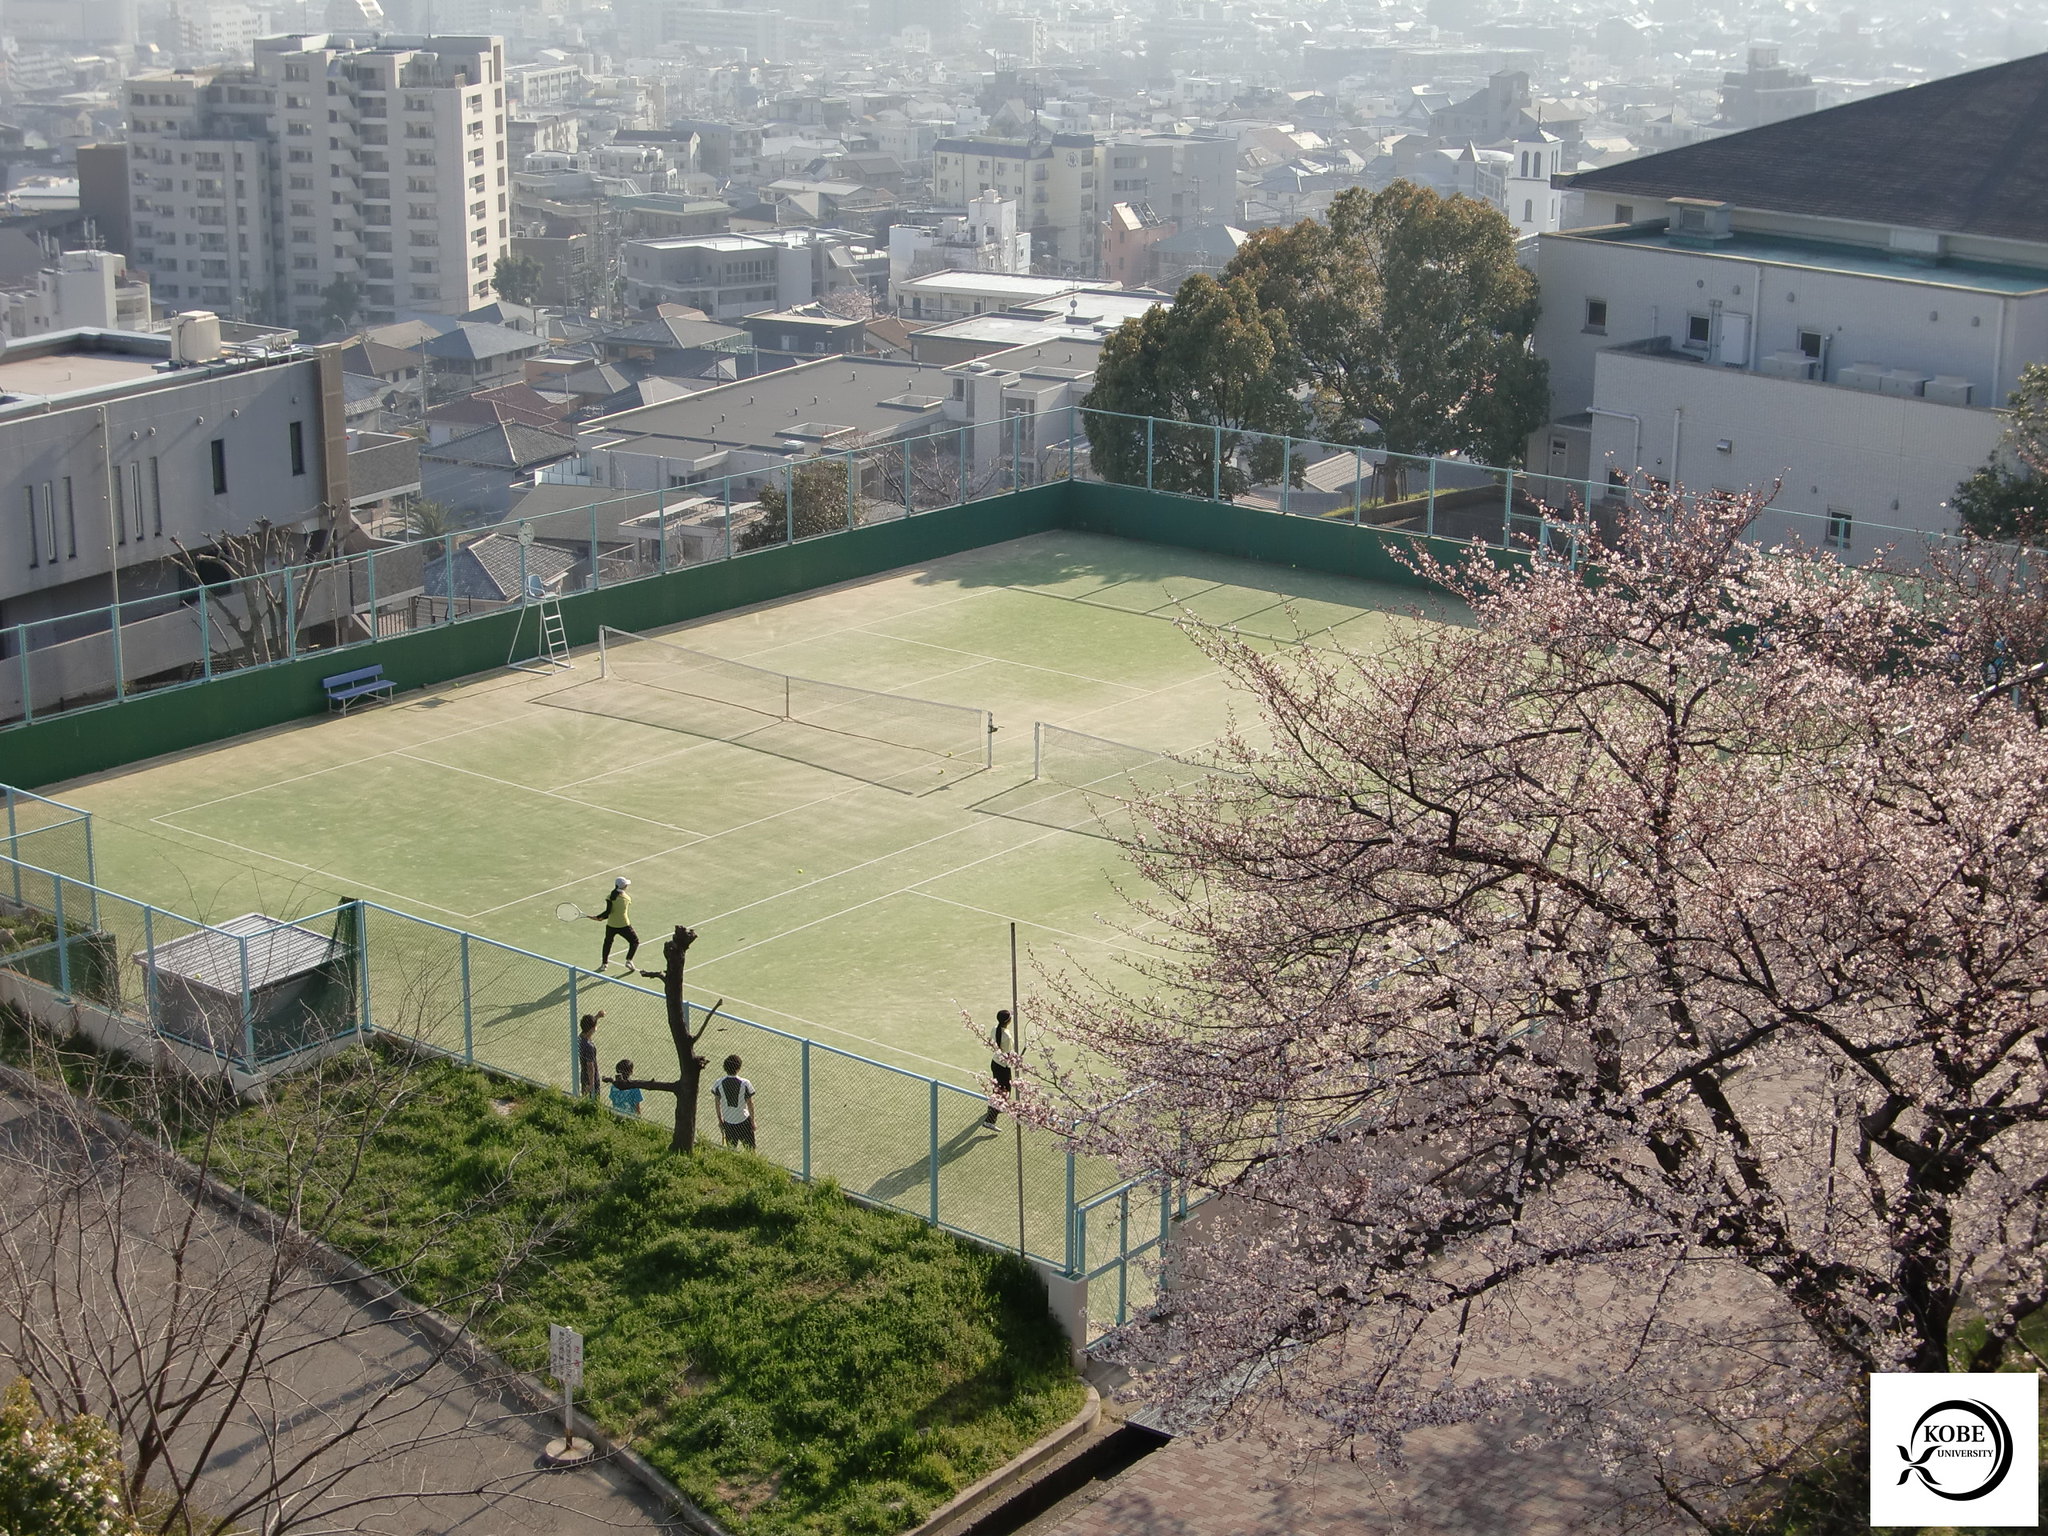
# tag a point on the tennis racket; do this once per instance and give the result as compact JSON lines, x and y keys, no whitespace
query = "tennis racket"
{"x":568,"y":911}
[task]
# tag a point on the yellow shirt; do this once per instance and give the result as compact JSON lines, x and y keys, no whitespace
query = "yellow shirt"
{"x":617,"y":909}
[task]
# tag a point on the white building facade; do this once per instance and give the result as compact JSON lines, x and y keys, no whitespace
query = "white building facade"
{"x":1831,"y":308}
{"x":985,"y":239}
{"x":380,"y":165}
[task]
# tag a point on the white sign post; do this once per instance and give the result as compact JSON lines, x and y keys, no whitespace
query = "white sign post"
{"x":565,"y":1364}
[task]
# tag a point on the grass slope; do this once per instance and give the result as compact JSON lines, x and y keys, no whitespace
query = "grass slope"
{"x":794,"y":1362}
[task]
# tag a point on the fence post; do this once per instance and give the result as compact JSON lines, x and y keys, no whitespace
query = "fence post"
{"x":206,"y":628}
{"x":1429,"y":518}
{"x":1286,"y":473}
{"x":935,"y":1148}
{"x":149,"y":963}
{"x":248,"y":1012}
{"x":63,"y":940}
{"x":1216,"y":464}
{"x":728,"y":516}
{"x":468,"y":1019}
{"x":366,"y":1024}
{"x":28,"y":704}
{"x":807,"y":1108}
{"x":1357,"y":488}
{"x":963,"y":466}
{"x":789,"y":502}
{"x":661,"y":538}
{"x":13,"y":845}
{"x":1507,"y":513}
{"x":1016,"y":459}
{"x":1150,"y":423}
{"x":596,"y":578}
{"x":1123,"y":1270}
{"x":909,"y":501}
{"x":370,"y":583}
{"x":575,"y":1063}
{"x":1073,"y":1224}
{"x":852,"y":516}
{"x":114,"y":629}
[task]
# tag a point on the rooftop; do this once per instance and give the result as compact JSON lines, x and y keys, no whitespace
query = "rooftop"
{"x":1967,"y":154}
{"x":1829,"y":256}
{"x":845,"y":393}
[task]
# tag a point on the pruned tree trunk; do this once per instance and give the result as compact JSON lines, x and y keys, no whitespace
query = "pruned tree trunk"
{"x":689,"y":1078}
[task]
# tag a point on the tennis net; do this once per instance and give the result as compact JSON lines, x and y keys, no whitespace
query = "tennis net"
{"x":910,"y":744}
{"x":1083,"y":783}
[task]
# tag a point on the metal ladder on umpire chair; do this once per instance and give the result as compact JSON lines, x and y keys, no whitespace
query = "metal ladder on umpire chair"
{"x":554,"y":639}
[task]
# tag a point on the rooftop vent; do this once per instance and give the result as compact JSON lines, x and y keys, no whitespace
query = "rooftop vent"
{"x":1696,"y":221}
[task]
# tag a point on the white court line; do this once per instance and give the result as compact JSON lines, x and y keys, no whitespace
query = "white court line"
{"x":311,"y":869}
{"x":585,"y":805}
{"x":1021,"y":922}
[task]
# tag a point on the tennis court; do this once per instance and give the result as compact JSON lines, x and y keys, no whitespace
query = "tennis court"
{"x":851,"y":882}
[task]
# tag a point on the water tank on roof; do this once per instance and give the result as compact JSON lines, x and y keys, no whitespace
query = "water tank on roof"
{"x":195,"y":336}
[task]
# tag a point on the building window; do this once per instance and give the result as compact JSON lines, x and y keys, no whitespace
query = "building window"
{"x":297,"y":434}
{"x":29,"y":494}
{"x":156,"y":501}
{"x":218,"y":448}
{"x":134,"y":474}
{"x":1596,"y":316}
{"x":1812,"y":343}
{"x":1528,"y":210}
{"x":116,"y":482}
{"x":1840,"y":528}
{"x":70,"y":522}
{"x":1624,"y":213}
{"x":50,"y":520}
{"x":1699,"y":330}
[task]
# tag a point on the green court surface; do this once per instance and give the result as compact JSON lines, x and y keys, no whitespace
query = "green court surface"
{"x":860,"y":905}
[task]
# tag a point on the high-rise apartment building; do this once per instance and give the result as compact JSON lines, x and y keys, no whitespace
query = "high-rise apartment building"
{"x":330,"y":167}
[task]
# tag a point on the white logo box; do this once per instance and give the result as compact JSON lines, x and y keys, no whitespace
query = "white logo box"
{"x":1955,"y":1450}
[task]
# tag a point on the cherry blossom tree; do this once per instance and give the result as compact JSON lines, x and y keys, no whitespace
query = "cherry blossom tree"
{"x":1622,"y":1015}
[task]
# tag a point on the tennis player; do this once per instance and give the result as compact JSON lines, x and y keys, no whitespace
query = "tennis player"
{"x":617,"y":918}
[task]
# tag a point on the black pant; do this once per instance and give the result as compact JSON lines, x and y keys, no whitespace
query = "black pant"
{"x":1000,"y":1071}
{"x":632,"y":944}
{"x":741,"y":1135}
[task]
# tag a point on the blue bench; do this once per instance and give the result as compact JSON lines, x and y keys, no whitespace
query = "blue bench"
{"x":346,"y":688}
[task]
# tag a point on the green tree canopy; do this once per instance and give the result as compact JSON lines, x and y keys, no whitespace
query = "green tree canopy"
{"x":517,"y":279}
{"x":1217,"y":357}
{"x":1410,"y":320}
{"x":2008,"y":497}
{"x":821,"y":497}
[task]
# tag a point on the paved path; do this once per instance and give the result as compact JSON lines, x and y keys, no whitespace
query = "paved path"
{"x":1458,"y":1482}
{"x":449,"y":1452}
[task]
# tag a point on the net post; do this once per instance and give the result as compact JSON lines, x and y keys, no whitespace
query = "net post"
{"x":1037,"y":749}
{"x":468,"y":1017}
{"x":603,"y":661}
{"x":988,"y":738}
{"x":575,"y":1064}
{"x":934,"y":1120}
{"x":807,"y":1108}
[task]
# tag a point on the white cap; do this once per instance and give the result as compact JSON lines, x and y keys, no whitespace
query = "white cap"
{"x":621,"y":883}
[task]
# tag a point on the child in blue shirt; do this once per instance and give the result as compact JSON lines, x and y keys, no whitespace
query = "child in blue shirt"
{"x":625,"y":1100}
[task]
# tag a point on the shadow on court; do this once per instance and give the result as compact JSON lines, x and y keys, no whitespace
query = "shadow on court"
{"x":893,"y":1186}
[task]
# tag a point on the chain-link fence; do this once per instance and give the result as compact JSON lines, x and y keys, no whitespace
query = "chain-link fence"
{"x":256,"y":993}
